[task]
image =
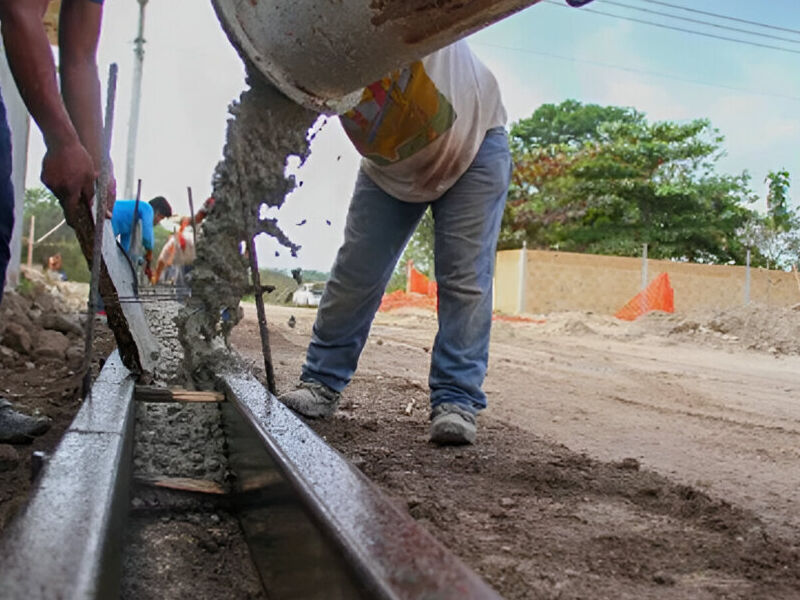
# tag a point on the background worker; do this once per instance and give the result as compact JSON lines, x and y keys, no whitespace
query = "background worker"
{"x":149,"y":214}
{"x":70,"y":121}
{"x":432,"y":134}
{"x":179,"y":251}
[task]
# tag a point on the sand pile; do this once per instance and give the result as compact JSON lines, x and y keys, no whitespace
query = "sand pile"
{"x":755,"y":327}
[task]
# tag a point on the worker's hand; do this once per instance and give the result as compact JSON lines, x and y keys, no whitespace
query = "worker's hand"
{"x":68,"y":171}
{"x":148,"y":272}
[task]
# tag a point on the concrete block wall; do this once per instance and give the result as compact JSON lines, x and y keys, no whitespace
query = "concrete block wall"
{"x":537,"y":281}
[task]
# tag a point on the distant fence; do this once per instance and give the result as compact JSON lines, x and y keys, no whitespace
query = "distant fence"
{"x":537,"y":281}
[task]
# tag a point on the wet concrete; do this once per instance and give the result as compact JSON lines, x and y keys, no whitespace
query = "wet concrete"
{"x":266,"y":128}
{"x":181,"y":543}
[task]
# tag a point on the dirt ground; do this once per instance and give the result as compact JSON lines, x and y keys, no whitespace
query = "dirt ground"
{"x":655,"y":459}
{"x":40,"y":372}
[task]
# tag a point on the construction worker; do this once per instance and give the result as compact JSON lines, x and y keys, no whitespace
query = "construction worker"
{"x":432,"y":135}
{"x":149,"y":214}
{"x":70,"y":121}
{"x":179,"y":251}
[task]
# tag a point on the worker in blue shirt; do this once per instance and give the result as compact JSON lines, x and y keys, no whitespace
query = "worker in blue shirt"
{"x":149,"y":214}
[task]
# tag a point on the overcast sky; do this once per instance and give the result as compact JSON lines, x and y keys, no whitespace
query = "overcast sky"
{"x":547,"y":53}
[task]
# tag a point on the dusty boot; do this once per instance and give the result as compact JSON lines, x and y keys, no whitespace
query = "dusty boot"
{"x":452,"y":425}
{"x":17,"y":428}
{"x":312,"y":399}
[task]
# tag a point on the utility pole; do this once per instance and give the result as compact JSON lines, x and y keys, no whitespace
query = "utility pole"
{"x":136,"y":96}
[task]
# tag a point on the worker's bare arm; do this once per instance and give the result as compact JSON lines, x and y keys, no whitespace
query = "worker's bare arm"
{"x":68,"y":169}
{"x":79,"y":33}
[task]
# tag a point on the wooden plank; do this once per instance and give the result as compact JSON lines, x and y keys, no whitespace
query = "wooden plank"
{"x":151,"y":393}
{"x":185,"y":484}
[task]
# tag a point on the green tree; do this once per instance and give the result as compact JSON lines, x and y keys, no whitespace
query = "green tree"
{"x":569,"y":123}
{"x":40,"y":203}
{"x":775,"y":237}
{"x":609,"y":181}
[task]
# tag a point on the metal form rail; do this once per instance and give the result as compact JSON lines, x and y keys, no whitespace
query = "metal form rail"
{"x":316,"y":527}
{"x":325,"y":531}
{"x":67,"y":542}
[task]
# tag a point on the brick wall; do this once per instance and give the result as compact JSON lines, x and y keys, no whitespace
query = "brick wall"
{"x":559,"y":281}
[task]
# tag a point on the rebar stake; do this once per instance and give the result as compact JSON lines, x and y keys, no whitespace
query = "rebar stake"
{"x":262,"y":316}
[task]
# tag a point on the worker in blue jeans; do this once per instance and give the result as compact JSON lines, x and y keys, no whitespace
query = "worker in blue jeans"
{"x":70,"y":120}
{"x":431,"y":134}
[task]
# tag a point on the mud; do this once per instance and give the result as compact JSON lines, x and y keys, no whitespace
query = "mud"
{"x":265,"y":130}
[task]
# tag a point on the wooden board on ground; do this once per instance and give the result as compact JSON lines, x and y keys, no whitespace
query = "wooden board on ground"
{"x":185,"y":484}
{"x":151,"y":393}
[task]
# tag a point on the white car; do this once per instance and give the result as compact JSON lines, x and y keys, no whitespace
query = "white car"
{"x":308,"y":294}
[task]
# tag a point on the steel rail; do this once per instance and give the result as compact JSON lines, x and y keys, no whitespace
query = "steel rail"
{"x":67,"y":541}
{"x":316,"y":526}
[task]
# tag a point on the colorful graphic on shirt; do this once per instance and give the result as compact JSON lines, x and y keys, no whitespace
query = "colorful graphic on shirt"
{"x":398,"y":116}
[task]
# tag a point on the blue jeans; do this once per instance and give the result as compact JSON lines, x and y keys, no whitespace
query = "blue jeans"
{"x":6,"y":197}
{"x":467,"y":224}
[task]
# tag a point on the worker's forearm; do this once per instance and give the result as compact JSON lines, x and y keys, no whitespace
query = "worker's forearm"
{"x":79,"y":30}
{"x":81,"y":91}
{"x":32,"y":65}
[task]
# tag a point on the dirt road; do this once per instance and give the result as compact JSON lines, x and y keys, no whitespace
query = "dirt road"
{"x":698,"y":413}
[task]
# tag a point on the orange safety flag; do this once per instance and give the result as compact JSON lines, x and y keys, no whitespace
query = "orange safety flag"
{"x":418,"y":283}
{"x":420,"y":292}
{"x":659,"y":295}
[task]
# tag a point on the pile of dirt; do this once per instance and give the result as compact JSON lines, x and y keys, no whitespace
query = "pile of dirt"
{"x":41,"y":353}
{"x":753,"y":327}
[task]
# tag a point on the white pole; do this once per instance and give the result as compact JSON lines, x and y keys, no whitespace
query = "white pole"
{"x":644,"y":266}
{"x":30,"y":242}
{"x":523,"y":260}
{"x":136,"y":96}
{"x":747,"y":280}
{"x":645,"y":307}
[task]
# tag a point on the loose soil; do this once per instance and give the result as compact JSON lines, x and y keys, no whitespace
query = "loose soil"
{"x":45,"y":380}
{"x":616,"y":460}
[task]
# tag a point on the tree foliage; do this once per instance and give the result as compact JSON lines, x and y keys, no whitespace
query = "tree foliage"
{"x":775,"y":237}
{"x":40,"y":203}
{"x":605,"y":180}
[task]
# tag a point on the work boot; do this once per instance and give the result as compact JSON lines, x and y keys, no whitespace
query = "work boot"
{"x":17,"y":428}
{"x":452,"y":425}
{"x":312,"y":399}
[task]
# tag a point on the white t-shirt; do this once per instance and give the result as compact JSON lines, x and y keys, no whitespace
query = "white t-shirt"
{"x":420,"y":127}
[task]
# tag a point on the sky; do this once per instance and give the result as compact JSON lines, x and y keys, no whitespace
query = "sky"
{"x":544,"y":54}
